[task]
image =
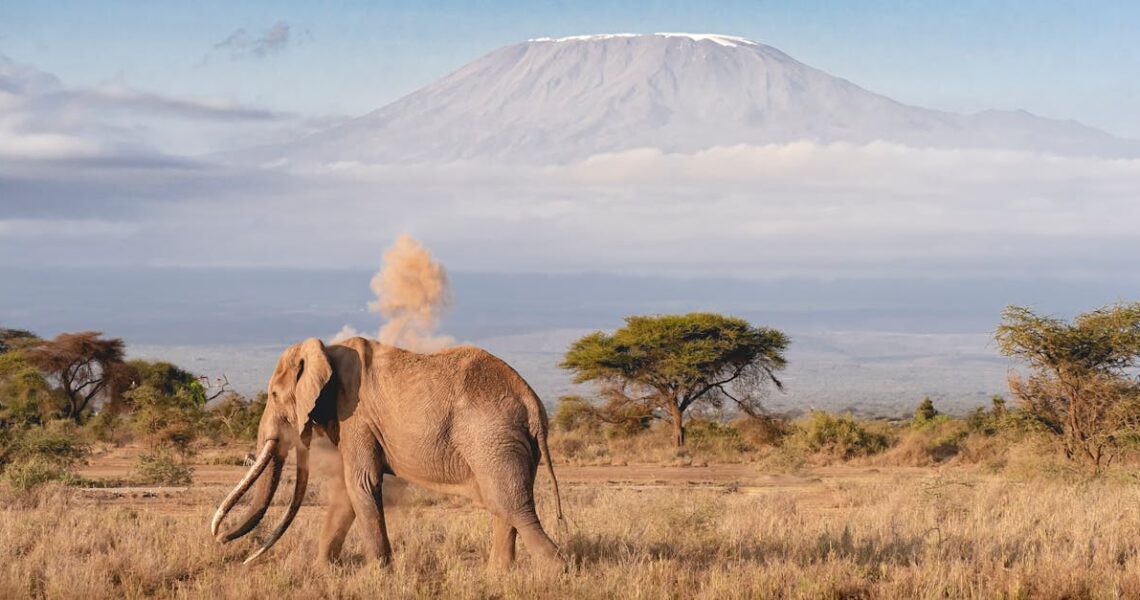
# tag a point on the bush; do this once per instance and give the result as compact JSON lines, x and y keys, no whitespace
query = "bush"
{"x":990,"y":422}
{"x":574,"y":413}
{"x":236,"y":417}
{"x":166,"y":422}
{"x":30,"y":472}
{"x":59,"y":442}
{"x":839,"y":435}
{"x":160,"y":468}
{"x":34,"y":455}
{"x":762,"y":431}
{"x":108,"y":426}
{"x":925,"y":411}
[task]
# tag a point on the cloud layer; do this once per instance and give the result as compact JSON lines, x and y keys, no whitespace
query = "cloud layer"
{"x":787,"y":210}
{"x":42,"y":118}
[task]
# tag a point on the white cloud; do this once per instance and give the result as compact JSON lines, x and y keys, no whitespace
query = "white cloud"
{"x":42,"y":118}
{"x":783,"y":210}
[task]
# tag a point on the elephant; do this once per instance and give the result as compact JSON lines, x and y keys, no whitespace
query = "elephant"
{"x":459,"y":421}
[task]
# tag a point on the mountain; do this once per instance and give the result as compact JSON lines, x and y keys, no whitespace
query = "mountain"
{"x":559,"y":100}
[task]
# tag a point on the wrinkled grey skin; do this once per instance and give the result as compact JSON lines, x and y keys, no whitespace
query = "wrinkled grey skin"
{"x":458,"y":421}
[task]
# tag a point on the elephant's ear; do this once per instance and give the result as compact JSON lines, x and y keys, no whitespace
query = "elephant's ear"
{"x":313,"y":373}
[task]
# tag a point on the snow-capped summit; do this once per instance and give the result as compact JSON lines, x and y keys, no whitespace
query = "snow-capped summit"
{"x":724,"y":40}
{"x":551,"y":100}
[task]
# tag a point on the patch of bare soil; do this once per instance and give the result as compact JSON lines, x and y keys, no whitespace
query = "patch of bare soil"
{"x":814,"y":487}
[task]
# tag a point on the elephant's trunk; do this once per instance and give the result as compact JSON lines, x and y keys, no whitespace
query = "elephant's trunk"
{"x":294,"y":505}
{"x":263,"y":493}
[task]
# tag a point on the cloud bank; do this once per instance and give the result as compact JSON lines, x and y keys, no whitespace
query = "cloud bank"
{"x":42,"y":118}
{"x":772,"y":211}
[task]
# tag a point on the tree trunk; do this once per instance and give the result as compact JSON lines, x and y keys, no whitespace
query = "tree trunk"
{"x":678,"y":426}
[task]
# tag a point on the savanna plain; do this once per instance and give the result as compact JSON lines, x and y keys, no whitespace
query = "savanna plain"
{"x":937,"y":513}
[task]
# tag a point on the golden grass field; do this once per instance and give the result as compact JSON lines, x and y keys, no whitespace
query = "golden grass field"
{"x":633,"y":531}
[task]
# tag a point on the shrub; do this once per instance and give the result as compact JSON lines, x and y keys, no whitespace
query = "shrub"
{"x":108,"y":426}
{"x":236,"y":417}
{"x":764,"y":430}
{"x":32,"y":471}
{"x":166,"y":422}
{"x":160,"y":468}
{"x":998,"y":418}
{"x":839,"y":435}
{"x":574,"y":413}
{"x":925,"y":411}
{"x":59,"y":441}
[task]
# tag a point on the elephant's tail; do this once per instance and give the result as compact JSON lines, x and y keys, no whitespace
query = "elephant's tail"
{"x":539,"y":428}
{"x":550,"y":469}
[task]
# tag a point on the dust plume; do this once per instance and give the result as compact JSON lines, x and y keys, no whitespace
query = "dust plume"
{"x":411,"y":293}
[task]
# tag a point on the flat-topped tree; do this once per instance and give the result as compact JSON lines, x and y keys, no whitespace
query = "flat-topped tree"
{"x":673,"y":362}
{"x":85,"y":365}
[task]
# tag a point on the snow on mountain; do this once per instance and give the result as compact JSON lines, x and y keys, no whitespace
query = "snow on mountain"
{"x":559,"y":100}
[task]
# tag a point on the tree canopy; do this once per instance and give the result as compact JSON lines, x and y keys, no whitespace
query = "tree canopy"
{"x":1081,"y":387}
{"x":84,"y":365}
{"x":672,"y":362}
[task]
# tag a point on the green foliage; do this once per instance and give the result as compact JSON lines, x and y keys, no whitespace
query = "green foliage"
{"x":990,"y":422}
{"x":839,"y":435}
{"x":575,"y":413}
{"x":1081,"y":387}
{"x":59,"y":441}
{"x":925,"y":412}
{"x":670,"y":362}
{"x":168,"y":380}
{"x":26,"y":398}
{"x":16,"y":339}
{"x":238,"y":418}
{"x":162,"y":421}
{"x":31,"y":472}
{"x":161,"y":468}
{"x":32,"y":455}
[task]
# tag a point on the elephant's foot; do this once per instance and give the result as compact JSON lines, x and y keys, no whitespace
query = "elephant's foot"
{"x":503,"y":544}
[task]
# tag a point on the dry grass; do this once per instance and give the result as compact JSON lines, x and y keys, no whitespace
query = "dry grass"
{"x":951,"y":533}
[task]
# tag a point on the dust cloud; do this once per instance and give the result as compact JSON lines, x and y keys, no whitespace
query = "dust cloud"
{"x":412,"y":293}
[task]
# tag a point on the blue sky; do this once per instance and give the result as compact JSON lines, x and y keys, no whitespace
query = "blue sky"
{"x":1063,"y":59}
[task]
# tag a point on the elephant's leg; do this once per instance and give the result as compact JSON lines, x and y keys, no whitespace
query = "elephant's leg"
{"x":337,"y":522}
{"x":535,"y":538}
{"x":362,"y":477}
{"x":506,"y":484}
{"x":503,"y":544}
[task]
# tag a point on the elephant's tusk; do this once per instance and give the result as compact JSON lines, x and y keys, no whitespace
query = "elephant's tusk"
{"x":294,"y":505}
{"x":243,"y":486}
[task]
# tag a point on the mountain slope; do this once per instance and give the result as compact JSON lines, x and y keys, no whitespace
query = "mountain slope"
{"x":558,"y":100}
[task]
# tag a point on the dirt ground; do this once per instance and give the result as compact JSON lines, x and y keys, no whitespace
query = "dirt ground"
{"x":813,"y":487}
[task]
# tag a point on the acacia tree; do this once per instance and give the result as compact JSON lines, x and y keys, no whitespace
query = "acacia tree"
{"x":1082,"y":387}
{"x":670,"y":363}
{"x":84,"y":365}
